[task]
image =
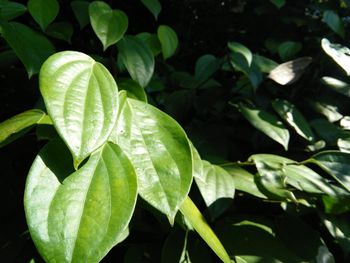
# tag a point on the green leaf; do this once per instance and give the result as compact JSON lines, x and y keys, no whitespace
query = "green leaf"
{"x":236,"y":47}
{"x":344,"y":144}
{"x":205,"y":67}
{"x":339,"y":53}
{"x":243,"y":180}
{"x":160,"y":152}
{"x":334,"y":22}
{"x":10,"y":10}
{"x":336,"y":164}
{"x":60,"y":30}
{"x":337,"y":85}
{"x":44,"y":12}
{"x":168,"y":40}
{"x":287,"y":50}
{"x":264,"y":64}
{"x":278,"y":3}
{"x":197,"y":221}
{"x":288,"y":112}
{"x":109,"y":25}
{"x":266,"y":123}
{"x":153,"y":6}
{"x":10,"y":128}
{"x":339,"y":228}
{"x":79,"y":217}
{"x":328,"y":109}
{"x":216,"y":187}
{"x":31,"y":47}
{"x":133,"y":89}
{"x":81,"y":97}
{"x":137,"y":58}
{"x":152,"y":41}
{"x":81,"y":12}
{"x":328,"y":131}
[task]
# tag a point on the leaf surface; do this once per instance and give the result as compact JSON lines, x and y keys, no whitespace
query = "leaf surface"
{"x":334,"y":22}
{"x":168,"y":40}
{"x":153,"y":6}
{"x":44,"y":12}
{"x":10,"y":10}
{"x":81,"y":12}
{"x":340,"y":54}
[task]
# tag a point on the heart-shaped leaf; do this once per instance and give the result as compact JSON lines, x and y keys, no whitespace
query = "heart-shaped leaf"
{"x":160,"y":152}
{"x":153,"y":6}
{"x":81,"y":97}
{"x":168,"y":40}
{"x":137,"y":58}
{"x":79,"y":217}
{"x":44,"y":12}
{"x":109,"y":25}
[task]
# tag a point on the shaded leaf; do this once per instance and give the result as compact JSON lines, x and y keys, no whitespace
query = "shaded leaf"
{"x":278,"y":3}
{"x":339,"y":228}
{"x":294,"y":118}
{"x":152,"y":41}
{"x":337,"y":85}
{"x":7,"y":58}
{"x":328,"y":131}
{"x":109,"y":25}
{"x":79,"y":216}
{"x":264,"y":64}
{"x":60,"y":30}
{"x":205,"y":67}
{"x":10,"y":10}
{"x":137,"y":58}
{"x":44,"y":12}
{"x":133,"y":89}
{"x":81,"y":12}
{"x":339,"y":53}
{"x":328,"y":109}
{"x":160,"y":152}
{"x":287,"y":50}
{"x":168,"y":40}
{"x":334,"y":22}
{"x":153,"y":6}
{"x":266,"y":123}
{"x":81,"y":97}
{"x":236,"y":47}
{"x":31,"y":47}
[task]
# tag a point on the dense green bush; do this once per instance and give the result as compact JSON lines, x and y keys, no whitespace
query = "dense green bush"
{"x":260,"y":91}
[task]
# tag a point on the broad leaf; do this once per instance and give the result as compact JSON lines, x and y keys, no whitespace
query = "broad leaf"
{"x":294,"y":118}
{"x":10,"y":10}
{"x":336,"y":164}
{"x":339,"y":228}
{"x":197,"y":221}
{"x":330,"y":109}
{"x":81,"y":12}
{"x":44,"y":12}
{"x":152,"y":41}
{"x":334,"y":22}
{"x":339,"y":53}
{"x":337,"y":85}
{"x":168,"y":40}
{"x":31,"y":47}
{"x":266,"y":123}
{"x":216,"y":186}
{"x":10,"y":128}
{"x":160,"y":152}
{"x":79,"y":217}
{"x":206,"y":66}
{"x":264,"y":64}
{"x":133,"y":89}
{"x":137,"y":58}
{"x":344,"y":144}
{"x":81,"y":97}
{"x":60,"y":30}
{"x":109,"y":25}
{"x":287,"y":50}
{"x":236,"y":47}
{"x":153,"y":6}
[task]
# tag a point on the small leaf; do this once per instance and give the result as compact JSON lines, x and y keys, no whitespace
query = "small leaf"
{"x":197,"y":221}
{"x":152,"y":41}
{"x":109,"y":25}
{"x":289,"y":72}
{"x":242,"y":50}
{"x":31,"y":47}
{"x":287,"y":50}
{"x":168,"y":40}
{"x":328,"y":109}
{"x":206,"y":66}
{"x":137,"y":58}
{"x":60,"y":30}
{"x":81,"y":97}
{"x":160,"y":152}
{"x":153,"y":6}
{"x":266,"y":123}
{"x":294,"y":118}
{"x":278,"y":3}
{"x":215,"y":185}
{"x":339,"y":53}
{"x":44,"y":12}
{"x":334,"y":22}
{"x":133,"y":89}
{"x":11,"y":127}
{"x":10,"y":10}
{"x":264,"y":64}
{"x":336,"y":164}
{"x":81,"y":12}
{"x":79,"y":216}
{"x":337,"y":85}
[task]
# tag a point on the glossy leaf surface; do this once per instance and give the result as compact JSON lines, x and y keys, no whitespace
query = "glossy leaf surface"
{"x":168,"y":40}
{"x":44,"y":12}
{"x":137,"y":58}
{"x":339,"y":53}
{"x":160,"y":152}
{"x":31,"y":47}
{"x":81,"y":97}
{"x":79,"y":217}
{"x":337,"y":85}
{"x":109,"y":25}
{"x":153,"y":6}
{"x":266,"y":123}
{"x":243,"y":50}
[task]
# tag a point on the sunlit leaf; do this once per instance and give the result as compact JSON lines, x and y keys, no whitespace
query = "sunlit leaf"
{"x":153,"y":6}
{"x":44,"y":12}
{"x":344,"y":144}
{"x":168,"y":40}
{"x":328,"y":109}
{"x":339,"y":228}
{"x":337,"y":85}
{"x":339,"y":53}
{"x":79,"y":216}
{"x":266,"y":123}
{"x":241,"y":49}
{"x":81,"y":97}
{"x":31,"y":47}
{"x":137,"y":58}
{"x":334,"y":22}
{"x":294,"y":118}
{"x":109,"y":25}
